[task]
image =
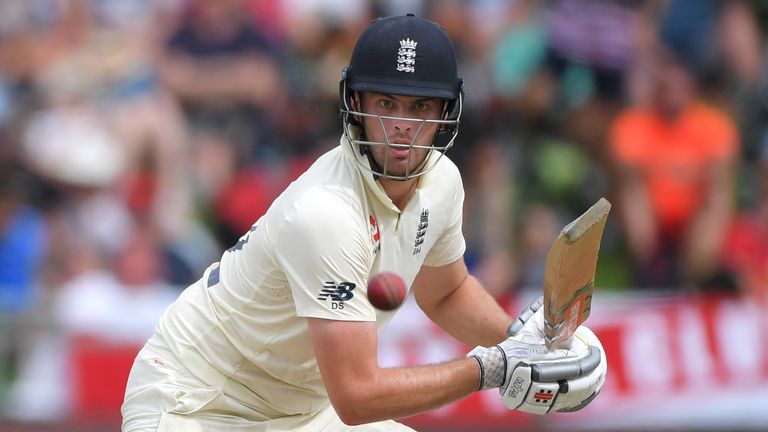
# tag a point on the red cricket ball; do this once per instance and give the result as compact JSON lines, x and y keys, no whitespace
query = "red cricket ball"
{"x":386,"y":291}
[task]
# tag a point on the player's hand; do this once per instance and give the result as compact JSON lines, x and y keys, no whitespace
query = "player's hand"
{"x":534,"y":379}
{"x":526,"y":315}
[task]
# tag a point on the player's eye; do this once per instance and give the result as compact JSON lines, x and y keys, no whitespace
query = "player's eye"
{"x":422,"y":106}
{"x":386,"y":104}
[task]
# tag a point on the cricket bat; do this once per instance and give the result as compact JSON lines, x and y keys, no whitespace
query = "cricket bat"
{"x":569,"y":274}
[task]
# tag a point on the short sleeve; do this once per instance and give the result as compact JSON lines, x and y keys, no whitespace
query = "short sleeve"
{"x":323,"y":248}
{"x":450,"y":245}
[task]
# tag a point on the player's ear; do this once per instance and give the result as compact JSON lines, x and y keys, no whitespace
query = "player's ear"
{"x":356,"y":102}
{"x":357,"y":105}
{"x":446,"y":114}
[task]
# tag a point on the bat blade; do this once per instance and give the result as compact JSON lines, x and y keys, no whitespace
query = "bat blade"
{"x":569,"y":275}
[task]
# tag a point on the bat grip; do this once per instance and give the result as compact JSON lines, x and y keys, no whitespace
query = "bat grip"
{"x":567,"y":370}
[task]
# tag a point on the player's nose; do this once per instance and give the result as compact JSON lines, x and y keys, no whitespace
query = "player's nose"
{"x":402,"y":128}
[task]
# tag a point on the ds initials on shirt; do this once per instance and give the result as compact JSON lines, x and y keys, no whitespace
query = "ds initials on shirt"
{"x":336,"y":293}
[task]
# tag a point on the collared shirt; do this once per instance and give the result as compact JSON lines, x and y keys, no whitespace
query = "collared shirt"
{"x":244,"y":328}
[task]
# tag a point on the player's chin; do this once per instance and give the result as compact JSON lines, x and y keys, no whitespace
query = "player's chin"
{"x":410,"y":164}
{"x":401,"y":168}
{"x":395,"y":173}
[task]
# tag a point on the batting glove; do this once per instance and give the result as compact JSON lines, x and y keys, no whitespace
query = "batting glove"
{"x":534,"y":379}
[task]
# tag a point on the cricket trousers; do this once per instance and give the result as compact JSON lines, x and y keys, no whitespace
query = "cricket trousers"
{"x":162,"y":396}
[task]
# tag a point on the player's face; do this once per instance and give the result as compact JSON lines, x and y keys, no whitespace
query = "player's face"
{"x":401,"y":127}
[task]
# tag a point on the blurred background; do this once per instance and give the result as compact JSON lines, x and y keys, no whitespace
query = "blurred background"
{"x":141,"y":138}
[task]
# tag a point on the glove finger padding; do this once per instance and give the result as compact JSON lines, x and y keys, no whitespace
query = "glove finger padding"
{"x":534,"y":308}
{"x":566,"y":379}
{"x":582,"y":390}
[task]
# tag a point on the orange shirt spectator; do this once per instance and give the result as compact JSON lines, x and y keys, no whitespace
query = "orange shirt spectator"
{"x":673,"y":157}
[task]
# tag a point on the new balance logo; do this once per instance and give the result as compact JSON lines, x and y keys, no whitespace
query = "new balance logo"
{"x":336,"y":293}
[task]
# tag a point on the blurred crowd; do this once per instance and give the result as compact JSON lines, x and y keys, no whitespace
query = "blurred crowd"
{"x":140,"y":138}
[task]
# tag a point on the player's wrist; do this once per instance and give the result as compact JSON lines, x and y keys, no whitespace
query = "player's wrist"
{"x":493,"y":366}
{"x":479,"y":364}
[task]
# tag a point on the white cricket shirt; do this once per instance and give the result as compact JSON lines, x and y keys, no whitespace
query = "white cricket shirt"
{"x":243,"y":329}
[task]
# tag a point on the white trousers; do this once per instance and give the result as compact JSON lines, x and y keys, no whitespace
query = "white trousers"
{"x":163,"y":397}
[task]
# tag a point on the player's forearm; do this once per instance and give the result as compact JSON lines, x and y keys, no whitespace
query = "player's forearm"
{"x":394,"y":393}
{"x":471,"y":315}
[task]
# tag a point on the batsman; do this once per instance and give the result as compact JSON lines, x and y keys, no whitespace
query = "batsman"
{"x":279,"y":335}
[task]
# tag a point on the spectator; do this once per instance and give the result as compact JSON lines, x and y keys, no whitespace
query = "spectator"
{"x":745,"y":254}
{"x":223,"y":71}
{"x":516,"y":60}
{"x":91,"y":303}
{"x":539,"y":228}
{"x":23,"y":241}
{"x":675,"y":164}
{"x":23,"y":246}
{"x":589,"y":67}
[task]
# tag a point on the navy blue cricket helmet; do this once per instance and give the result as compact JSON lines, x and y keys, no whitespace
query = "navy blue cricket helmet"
{"x":403,"y":55}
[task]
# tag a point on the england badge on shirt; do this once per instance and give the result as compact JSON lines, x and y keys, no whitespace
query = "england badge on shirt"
{"x":375,"y":235}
